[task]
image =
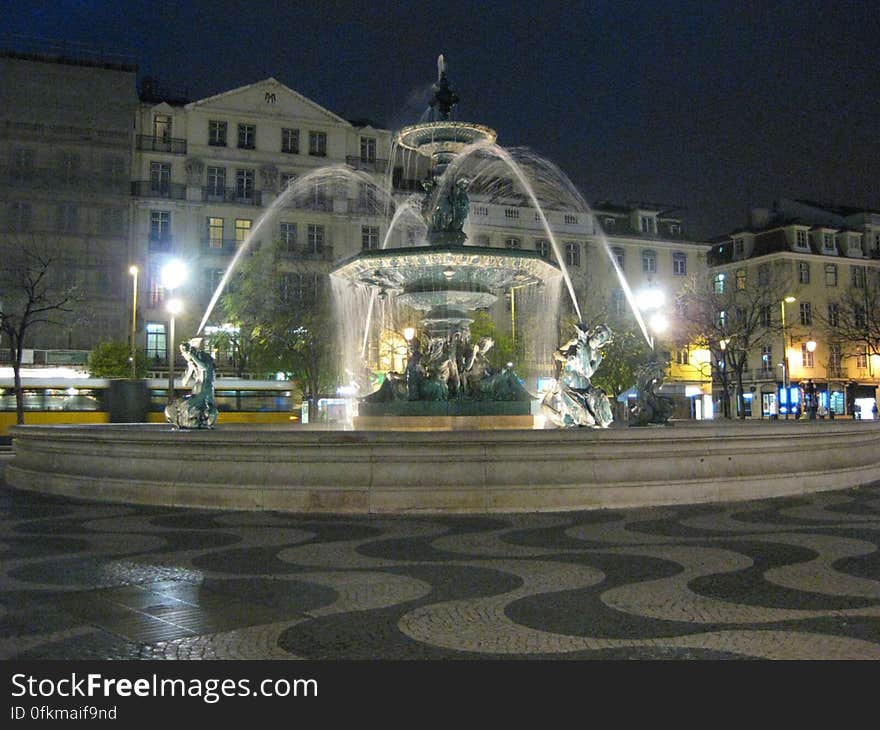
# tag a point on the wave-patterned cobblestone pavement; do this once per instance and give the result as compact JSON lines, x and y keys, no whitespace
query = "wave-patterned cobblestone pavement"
{"x":795,"y":578}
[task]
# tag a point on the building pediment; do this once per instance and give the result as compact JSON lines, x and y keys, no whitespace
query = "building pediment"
{"x":163,"y":108}
{"x":268,"y":98}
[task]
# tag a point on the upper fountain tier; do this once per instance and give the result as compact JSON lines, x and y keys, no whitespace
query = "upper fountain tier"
{"x":442,"y":139}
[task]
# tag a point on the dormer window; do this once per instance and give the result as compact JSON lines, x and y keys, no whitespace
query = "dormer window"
{"x":609,"y":224}
{"x":801,"y":238}
{"x":648,"y":224}
{"x":739,"y":246}
{"x":828,"y":242}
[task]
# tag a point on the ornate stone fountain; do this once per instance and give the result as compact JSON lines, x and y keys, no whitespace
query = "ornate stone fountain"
{"x":446,"y":279}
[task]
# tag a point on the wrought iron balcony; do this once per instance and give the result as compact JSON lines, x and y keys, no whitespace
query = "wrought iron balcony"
{"x":358,"y":163}
{"x":151,"y":143}
{"x":232,"y":195}
{"x":152,"y":189}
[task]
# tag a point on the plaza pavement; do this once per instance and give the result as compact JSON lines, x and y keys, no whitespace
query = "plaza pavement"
{"x":793,"y":578}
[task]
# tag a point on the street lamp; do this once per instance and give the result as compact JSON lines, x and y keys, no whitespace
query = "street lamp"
{"x":174,"y":307}
{"x":133,"y":270}
{"x":785,"y":384}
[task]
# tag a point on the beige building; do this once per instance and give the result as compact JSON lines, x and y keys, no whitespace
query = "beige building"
{"x":829,"y":260}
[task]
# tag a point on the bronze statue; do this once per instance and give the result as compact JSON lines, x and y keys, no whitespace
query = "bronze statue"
{"x":196,"y":410}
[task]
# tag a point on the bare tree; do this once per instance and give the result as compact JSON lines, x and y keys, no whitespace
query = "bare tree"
{"x":853,"y":320}
{"x":733,"y":314}
{"x":35,"y":289}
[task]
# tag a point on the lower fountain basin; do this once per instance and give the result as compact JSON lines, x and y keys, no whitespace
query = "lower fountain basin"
{"x":302,"y":470}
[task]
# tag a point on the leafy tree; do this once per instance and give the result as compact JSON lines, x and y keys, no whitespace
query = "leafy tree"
{"x":113,"y":360}
{"x":504,"y":350}
{"x":35,"y":290}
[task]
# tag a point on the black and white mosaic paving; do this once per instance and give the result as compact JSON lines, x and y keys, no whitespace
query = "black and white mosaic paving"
{"x":795,"y":578}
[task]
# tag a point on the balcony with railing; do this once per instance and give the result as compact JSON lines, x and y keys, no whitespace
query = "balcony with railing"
{"x":152,"y":189}
{"x":233,"y":196}
{"x":161,"y":242}
{"x":219,"y":246}
{"x":151,"y":143}
{"x":359,"y":163}
{"x":308,"y":252}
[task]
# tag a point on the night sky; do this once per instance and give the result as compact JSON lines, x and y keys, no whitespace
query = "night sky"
{"x":713,"y":107}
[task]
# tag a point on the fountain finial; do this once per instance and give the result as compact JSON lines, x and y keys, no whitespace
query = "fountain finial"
{"x":444,"y":97}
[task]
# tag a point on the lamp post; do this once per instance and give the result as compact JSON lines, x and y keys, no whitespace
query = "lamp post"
{"x":785,"y":384}
{"x":133,"y":270}
{"x":175,"y":307}
{"x":173,"y":275}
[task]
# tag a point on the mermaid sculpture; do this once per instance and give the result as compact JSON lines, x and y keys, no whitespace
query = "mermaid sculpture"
{"x":196,"y":410}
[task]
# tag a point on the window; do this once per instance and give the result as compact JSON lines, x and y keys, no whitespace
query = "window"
{"x":156,"y":344}
{"x":835,"y":359}
{"x":290,"y":141}
{"x":619,"y":256}
{"x":572,"y":253}
{"x":247,"y":136}
{"x":648,"y":224}
{"x":368,"y":149}
{"x":828,"y":242}
{"x":860,"y":316}
{"x":804,"y":272}
{"x":216,"y":181}
{"x":833,"y":314}
{"x":542,"y":246}
{"x":511,"y":243}
{"x":807,"y":359}
{"x":162,"y":127}
{"x":767,"y":359}
{"x":681,"y":356}
{"x":858,"y":277}
{"x":739,"y":247}
{"x":367,"y":197}
{"x":287,"y":233}
{"x":570,"y":219}
{"x":718,"y":283}
{"x":160,"y":225}
{"x":721,"y":319}
{"x":369,"y":237}
{"x":316,"y":238}
{"x":318,"y":144}
{"x":862,"y":360}
{"x":300,"y":287}
{"x":160,"y":177}
{"x":801,"y":238}
{"x":765,"y":317}
{"x":244,"y":184}
{"x":679,"y":264}
{"x":511,"y":214}
{"x":618,"y":302}
{"x":242,"y":230}
{"x":830,"y":274}
{"x":609,"y":224}
{"x":479,"y":210}
{"x":20,"y":216}
{"x":287,"y":180}
{"x":763,"y":275}
{"x":741,"y":279}
{"x":649,"y":261}
{"x":319,"y":196}
{"x":216,"y":133}
{"x":212,"y":279}
{"x":674,"y":230}
{"x":806,"y":311}
{"x":66,"y":218}
{"x":215,"y":232}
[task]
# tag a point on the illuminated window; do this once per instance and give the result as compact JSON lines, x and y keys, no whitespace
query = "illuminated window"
{"x":242,"y":230}
{"x":807,"y":356}
{"x":718,"y":283}
{"x":156,"y":343}
{"x":741,"y":279}
{"x":767,"y":359}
